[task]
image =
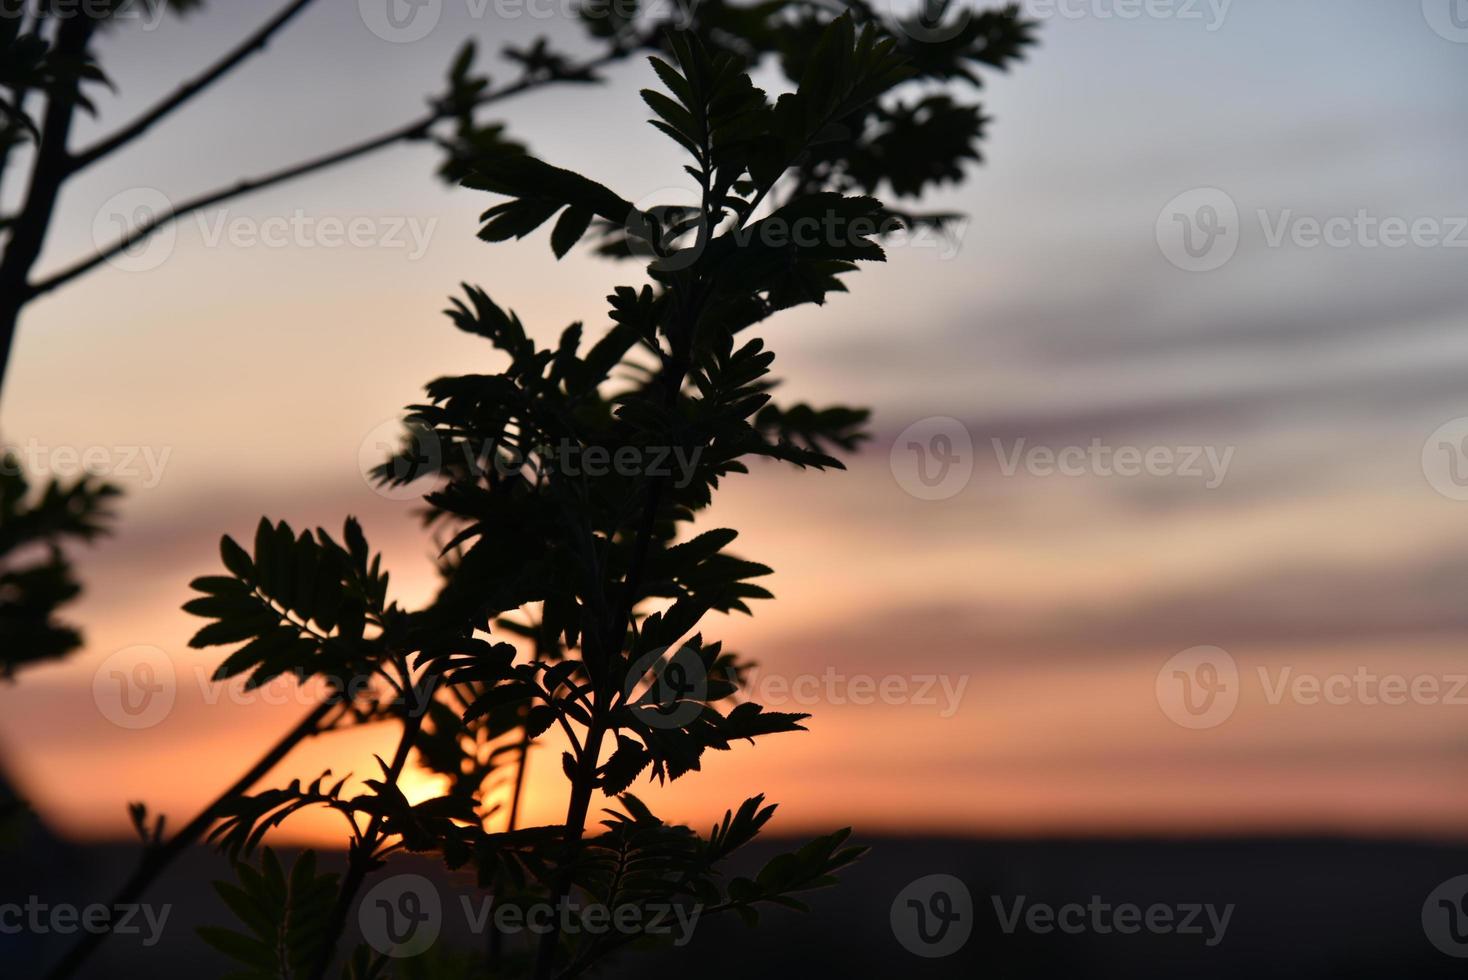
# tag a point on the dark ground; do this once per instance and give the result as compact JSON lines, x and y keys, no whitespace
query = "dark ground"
{"x":1303,"y":909}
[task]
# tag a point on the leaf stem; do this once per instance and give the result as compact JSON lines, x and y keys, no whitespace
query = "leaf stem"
{"x":364,"y":855}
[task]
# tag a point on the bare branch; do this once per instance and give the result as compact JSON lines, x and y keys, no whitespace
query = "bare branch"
{"x":417,"y":129}
{"x":254,"y":43}
{"x":159,"y":858}
{"x":414,"y":130}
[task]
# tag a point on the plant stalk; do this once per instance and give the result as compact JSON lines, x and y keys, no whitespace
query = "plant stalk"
{"x":158,"y":858}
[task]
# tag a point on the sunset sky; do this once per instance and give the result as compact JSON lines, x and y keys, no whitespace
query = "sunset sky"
{"x":1047,"y":604}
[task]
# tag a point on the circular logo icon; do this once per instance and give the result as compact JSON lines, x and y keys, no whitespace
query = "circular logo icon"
{"x":1445,"y":459}
{"x":401,"y":916}
{"x":1445,"y":917}
{"x":677,"y":687}
{"x":410,"y":452}
{"x":667,"y":226}
{"x":1199,"y":688}
{"x":124,"y":217}
{"x":401,"y":21}
{"x":933,"y":916}
{"x":135,"y":687}
{"x":929,"y":22}
{"x":1449,"y":18}
{"x":933,"y":459}
{"x":1199,"y":230}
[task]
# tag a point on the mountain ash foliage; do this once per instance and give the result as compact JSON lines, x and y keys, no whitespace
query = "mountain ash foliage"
{"x":604,"y":577}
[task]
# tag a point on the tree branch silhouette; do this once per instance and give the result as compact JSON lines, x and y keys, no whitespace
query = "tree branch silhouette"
{"x":610,"y":561}
{"x":54,"y":164}
{"x":363,"y":856}
{"x":48,"y":174}
{"x":255,"y":43}
{"x":670,"y":380}
{"x":416,"y":130}
{"x":157,"y":859}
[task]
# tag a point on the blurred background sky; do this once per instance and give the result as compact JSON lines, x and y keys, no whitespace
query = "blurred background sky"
{"x":1057,"y":320}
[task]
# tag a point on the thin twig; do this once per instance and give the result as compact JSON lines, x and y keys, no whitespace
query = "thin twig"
{"x":157,"y":859}
{"x":364,"y":855}
{"x":523,"y":757}
{"x":417,"y":129}
{"x":522,"y":764}
{"x":188,"y":91}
